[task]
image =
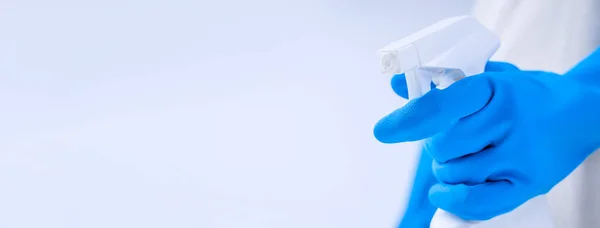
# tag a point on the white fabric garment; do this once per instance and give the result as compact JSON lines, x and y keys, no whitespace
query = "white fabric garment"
{"x":552,"y":35}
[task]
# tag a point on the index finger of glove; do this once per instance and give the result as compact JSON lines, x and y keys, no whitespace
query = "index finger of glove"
{"x":435,"y":111}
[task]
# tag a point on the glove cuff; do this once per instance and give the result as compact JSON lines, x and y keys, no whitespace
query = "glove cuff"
{"x":587,"y":71}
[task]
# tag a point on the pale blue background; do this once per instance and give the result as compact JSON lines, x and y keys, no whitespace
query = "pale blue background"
{"x":181,"y":113}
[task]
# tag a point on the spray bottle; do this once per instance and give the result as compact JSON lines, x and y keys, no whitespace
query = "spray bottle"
{"x":443,"y":53}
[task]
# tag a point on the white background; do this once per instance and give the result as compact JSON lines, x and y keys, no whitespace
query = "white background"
{"x":258,"y":114}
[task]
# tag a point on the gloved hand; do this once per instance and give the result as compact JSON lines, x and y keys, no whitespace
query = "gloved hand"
{"x":497,"y":139}
{"x":419,"y":211}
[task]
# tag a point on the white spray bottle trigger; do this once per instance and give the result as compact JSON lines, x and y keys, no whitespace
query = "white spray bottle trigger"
{"x":443,"y":53}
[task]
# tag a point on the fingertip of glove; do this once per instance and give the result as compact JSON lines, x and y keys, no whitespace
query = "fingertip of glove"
{"x":448,"y":197}
{"x":383,"y":132}
{"x":399,"y":85}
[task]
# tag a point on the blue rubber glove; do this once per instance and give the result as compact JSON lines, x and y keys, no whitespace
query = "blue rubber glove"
{"x":419,"y":211}
{"x":500,"y":138}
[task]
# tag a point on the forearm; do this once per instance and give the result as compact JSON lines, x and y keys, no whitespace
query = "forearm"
{"x":588,"y":70}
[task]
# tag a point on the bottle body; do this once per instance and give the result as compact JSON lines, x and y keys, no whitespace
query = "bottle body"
{"x":534,"y":213}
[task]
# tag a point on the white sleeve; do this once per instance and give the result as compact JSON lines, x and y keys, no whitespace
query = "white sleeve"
{"x":550,"y":35}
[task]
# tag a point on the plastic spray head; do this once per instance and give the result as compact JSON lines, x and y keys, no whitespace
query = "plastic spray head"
{"x":441,"y":53}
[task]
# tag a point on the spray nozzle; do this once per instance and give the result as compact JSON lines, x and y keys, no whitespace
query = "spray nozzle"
{"x":441,"y":53}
